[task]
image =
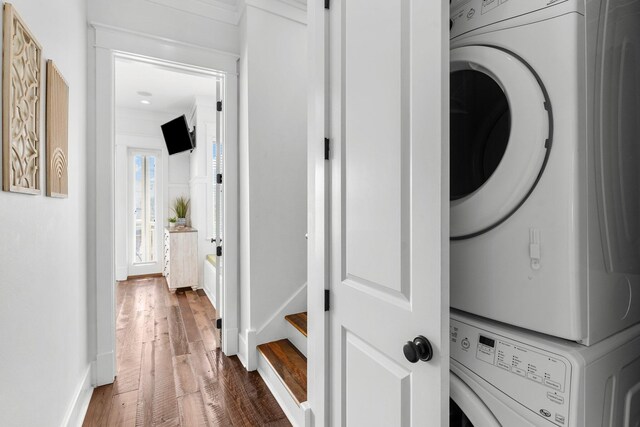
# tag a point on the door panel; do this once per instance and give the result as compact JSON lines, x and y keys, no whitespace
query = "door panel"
{"x":388,"y":401}
{"x":389,"y":109}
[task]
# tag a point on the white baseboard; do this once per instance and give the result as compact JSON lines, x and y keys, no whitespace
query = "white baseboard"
{"x":105,"y":368}
{"x":252,"y":351}
{"x":77,"y":409}
{"x":122,"y":273}
{"x":299,"y":416}
{"x":242,"y":350}
{"x":230,"y":341}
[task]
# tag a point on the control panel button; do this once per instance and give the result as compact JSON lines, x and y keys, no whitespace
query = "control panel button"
{"x":559,"y":418}
{"x":504,"y":366}
{"x":552,"y":384}
{"x":555,"y":398}
{"x":519,"y":371}
{"x":465,"y":344}
{"x":535,"y":377}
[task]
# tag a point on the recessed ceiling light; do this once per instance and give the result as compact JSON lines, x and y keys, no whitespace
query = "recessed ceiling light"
{"x":143,"y":93}
{"x":145,"y":102}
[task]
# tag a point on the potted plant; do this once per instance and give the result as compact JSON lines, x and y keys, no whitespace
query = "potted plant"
{"x":172,"y":222}
{"x":181,"y":209}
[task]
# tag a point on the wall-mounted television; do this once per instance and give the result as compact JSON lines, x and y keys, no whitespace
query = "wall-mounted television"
{"x":177,"y":135}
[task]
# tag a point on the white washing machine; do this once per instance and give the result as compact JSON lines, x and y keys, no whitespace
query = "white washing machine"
{"x":506,"y":376}
{"x":545,"y":164}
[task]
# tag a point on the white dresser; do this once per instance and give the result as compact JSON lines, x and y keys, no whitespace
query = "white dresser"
{"x":181,"y":257}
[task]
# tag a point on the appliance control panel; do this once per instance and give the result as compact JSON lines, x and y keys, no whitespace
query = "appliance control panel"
{"x":468,"y":15}
{"x":534,"y":378}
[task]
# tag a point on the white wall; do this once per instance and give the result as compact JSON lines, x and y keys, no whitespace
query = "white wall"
{"x":43,"y":252}
{"x":141,"y":129}
{"x":273,"y":132}
{"x":160,"y":20}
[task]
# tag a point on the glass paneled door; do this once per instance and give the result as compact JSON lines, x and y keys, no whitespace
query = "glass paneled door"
{"x":146,"y":212}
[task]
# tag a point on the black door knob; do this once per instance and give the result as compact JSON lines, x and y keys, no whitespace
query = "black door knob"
{"x":418,"y":349}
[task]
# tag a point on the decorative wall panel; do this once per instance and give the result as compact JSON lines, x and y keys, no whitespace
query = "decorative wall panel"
{"x":57,"y":132}
{"x":21,"y":93}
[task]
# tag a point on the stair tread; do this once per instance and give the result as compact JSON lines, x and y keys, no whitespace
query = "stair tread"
{"x":290,"y":365}
{"x":299,"y":321}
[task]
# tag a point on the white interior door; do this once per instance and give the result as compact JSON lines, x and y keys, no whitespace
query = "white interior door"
{"x":389,"y":108}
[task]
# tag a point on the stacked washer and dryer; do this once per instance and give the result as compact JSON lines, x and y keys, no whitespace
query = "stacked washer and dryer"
{"x":545,"y":213}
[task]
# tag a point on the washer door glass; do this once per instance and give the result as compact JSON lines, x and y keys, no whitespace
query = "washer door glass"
{"x":457,"y":417}
{"x":500,"y":125}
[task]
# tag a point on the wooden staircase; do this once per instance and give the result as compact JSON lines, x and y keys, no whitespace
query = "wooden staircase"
{"x":283,"y":365}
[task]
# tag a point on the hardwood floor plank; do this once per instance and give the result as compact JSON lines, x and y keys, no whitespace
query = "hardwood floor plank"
{"x":164,"y":396}
{"x":192,"y":412}
{"x":190,"y":326}
{"x":144,"y":413}
{"x":123,"y":410}
{"x":177,"y":334}
{"x":171,"y":371}
{"x":183,"y":376}
{"x":209,"y":309}
{"x":99,"y":407}
{"x":208,"y":331}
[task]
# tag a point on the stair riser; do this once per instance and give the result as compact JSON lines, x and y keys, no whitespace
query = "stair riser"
{"x":297,"y":339}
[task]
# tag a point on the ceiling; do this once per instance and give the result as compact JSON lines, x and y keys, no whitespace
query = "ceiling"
{"x":171,"y":90}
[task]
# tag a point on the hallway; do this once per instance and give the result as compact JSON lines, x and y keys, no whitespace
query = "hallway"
{"x":171,"y":371}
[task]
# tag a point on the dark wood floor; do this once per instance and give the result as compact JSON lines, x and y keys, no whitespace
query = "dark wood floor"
{"x":171,"y":371}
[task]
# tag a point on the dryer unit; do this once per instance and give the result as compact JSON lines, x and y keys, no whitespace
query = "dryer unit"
{"x":545,"y":164}
{"x":505,"y":376}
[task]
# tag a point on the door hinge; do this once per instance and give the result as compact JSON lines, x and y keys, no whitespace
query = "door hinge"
{"x":327,"y":4}
{"x":219,"y":106}
{"x":219,"y":323}
{"x":327,"y":148}
{"x":327,"y":299}
{"x":219,"y":178}
{"x":218,"y":250}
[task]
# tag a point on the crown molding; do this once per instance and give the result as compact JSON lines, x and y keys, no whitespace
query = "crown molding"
{"x":295,"y":10}
{"x":230,"y":11}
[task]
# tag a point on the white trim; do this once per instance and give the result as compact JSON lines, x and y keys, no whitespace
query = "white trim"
{"x":242,"y":350}
{"x":231,"y":12}
{"x":283,"y":309}
{"x":80,"y":403}
{"x":289,"y":9}
{"x":317,"y":247}
{"x":109,"y":43}
{"x":252,"y":350}
{"x":163,"y":49}
{"x":216,"y":10}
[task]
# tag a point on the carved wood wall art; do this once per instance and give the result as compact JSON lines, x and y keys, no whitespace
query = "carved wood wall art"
{"x":21,"y":93}
{"x":57,"y":132}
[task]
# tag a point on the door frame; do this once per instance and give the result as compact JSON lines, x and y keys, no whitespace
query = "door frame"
{"x":147,"y":267}
{"x":105,"y":44}
{"x":318,"y":184}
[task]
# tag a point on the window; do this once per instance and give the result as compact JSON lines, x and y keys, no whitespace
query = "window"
{"x":144,"y":202}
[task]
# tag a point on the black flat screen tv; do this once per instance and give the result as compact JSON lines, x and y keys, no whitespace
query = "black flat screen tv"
{"x":177,"y":135}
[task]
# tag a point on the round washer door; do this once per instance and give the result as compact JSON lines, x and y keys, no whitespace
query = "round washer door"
{"x":465,"y":407}
{"x":500,"y":137}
